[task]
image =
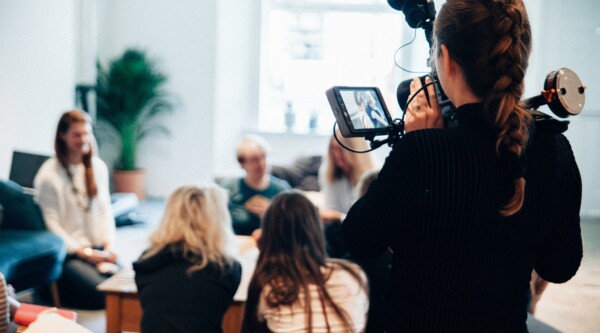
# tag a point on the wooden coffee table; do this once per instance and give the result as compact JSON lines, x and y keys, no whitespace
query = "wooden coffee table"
{"x":124,"y":311}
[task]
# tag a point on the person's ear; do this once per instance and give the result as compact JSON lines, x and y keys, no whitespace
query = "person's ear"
{"x":450,"y":66}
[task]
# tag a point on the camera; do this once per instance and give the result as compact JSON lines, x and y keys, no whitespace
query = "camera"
{"x":421,"y":14}
{"x":563,"y":92}
{"x":359,"y":111}
{"x":347,"y":104}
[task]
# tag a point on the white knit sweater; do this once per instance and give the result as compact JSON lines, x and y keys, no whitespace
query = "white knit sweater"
{"x":64,"y":210}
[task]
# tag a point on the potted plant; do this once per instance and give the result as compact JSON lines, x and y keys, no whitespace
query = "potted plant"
{"x":130,"y":96}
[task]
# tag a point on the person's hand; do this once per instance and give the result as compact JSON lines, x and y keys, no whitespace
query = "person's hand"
{"x":256,"y":234}
{"x":257,"y":205}
{"x":92,"y":256}
{"x":330,"y":215}
{"x":419,"y":115}
{"x":110,"y":256}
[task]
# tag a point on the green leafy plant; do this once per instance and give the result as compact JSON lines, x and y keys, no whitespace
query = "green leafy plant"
{"x":130,"y":96}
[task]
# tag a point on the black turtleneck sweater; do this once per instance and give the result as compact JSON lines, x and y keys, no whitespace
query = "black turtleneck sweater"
{"x":459,"y":266}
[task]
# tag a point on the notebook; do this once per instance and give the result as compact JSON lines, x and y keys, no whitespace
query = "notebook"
{"x":28,"y":313}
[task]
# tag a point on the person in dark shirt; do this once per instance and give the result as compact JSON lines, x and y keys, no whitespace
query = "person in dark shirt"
{"x":250,"y":196}
{"x":452,"y":203}
{"x":187,"y":278}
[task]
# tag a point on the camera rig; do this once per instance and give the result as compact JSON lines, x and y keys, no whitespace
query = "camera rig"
{"x":563,"y":91}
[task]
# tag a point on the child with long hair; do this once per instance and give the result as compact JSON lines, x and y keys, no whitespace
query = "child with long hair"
{"x":295,"y":287}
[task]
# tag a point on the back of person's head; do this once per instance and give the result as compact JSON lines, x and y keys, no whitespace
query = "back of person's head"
{"x":62,"y":152}
{"x":251,"y":145}
{"x":491,"y":41}
{"x":292,"y":254}
{"x":292,"y":231}
{"x":197,"y":223}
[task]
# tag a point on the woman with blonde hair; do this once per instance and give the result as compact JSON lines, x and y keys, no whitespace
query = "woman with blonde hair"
{"x":73,"y":192}
{"x":340,"y":174}
{"x":339,"y":178}
{"x":187,"y":278}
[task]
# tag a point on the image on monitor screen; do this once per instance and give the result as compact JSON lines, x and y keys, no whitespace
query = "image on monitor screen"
{"x":364,"y":108}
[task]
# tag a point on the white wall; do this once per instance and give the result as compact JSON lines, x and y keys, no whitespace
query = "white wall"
{"x":182,"y":34}
{"x":567,"y":34}
{"x":37,"y":73}
{"x":211,"y":51}
{"x":237,"y":80}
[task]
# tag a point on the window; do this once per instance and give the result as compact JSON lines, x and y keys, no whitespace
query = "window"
{"x":310,"y":46}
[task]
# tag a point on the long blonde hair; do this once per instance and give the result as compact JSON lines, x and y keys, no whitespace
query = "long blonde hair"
{"x":360,"y":162}
{"x":197,"y":223}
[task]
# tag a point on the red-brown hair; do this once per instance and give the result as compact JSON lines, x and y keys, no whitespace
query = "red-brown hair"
{"x":60,"y":148}
{"x":491,"y":42}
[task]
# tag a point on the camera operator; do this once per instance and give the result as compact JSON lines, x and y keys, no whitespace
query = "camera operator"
{"x":451,"y":202}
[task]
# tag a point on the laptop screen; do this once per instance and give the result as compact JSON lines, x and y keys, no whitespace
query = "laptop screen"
{"x":25,"y":166}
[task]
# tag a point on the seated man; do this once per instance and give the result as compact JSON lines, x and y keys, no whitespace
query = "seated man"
{"x":250,"y":196}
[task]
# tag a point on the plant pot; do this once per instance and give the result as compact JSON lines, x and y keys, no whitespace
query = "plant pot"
{"x":130,"y":181}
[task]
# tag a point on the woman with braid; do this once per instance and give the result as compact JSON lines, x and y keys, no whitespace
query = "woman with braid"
{"x":452,"y":203}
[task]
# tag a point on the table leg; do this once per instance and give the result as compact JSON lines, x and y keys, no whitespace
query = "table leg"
{"x":113,"y":313}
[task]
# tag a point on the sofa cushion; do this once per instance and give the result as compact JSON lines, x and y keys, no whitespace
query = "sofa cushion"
{"x":302,"y":174}
{"x":30,"y":258}
{"x":21,"y":211}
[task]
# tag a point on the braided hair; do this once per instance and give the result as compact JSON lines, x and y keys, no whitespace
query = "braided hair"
{"x":491,"y":41}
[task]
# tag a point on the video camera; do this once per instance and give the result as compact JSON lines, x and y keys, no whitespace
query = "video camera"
{"x":361,"y":111}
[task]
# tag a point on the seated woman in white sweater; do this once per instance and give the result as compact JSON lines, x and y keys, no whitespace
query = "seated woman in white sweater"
{"x":295,"y":288}
{"x":73,"y":193}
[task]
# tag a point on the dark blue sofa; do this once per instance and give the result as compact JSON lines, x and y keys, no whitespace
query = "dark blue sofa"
{"x":30,"y":255}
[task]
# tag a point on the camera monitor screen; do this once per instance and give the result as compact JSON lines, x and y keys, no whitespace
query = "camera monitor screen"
{"x":360,"y":111}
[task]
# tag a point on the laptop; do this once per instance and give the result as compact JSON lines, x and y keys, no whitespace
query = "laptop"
{"x":24,"y":167}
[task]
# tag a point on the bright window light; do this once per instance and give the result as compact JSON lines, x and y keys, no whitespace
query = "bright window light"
{"x":310,"y":46}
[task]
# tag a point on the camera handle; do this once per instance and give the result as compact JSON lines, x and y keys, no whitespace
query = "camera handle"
{"x":395,"y":132}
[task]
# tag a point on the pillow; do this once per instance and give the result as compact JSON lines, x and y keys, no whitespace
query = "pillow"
{"x":301,"y":174}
